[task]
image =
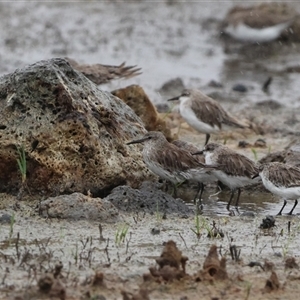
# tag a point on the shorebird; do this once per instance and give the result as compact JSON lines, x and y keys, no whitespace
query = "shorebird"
{"x":282,"y":180}
{"x":167,"y":160}
{"x":258,"y":24}
{"x":201,"y":178}
{"x":203,"y":113}
{"x":231,"y":168}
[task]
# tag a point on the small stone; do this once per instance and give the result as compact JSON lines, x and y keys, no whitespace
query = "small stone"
{"x":215,"y":84}
{"x":155,"y":231}
{"x":260,"y":143}
{"x":240,"y":88}
{"x":5,"y":219}
{"x":243,"y":144}
{"x":267,"y":223}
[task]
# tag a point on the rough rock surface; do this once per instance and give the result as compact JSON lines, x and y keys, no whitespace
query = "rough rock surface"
{"x":78,"y":206}
{"x":73,"y":134}
{"x":149,"y":199}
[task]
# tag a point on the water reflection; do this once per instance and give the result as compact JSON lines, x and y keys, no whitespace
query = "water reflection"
{"x":261,"y":203}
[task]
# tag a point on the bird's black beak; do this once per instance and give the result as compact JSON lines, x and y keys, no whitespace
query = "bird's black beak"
{"x":174,"y":99}
{"x":137,"y":141}
{"x":198,"y":152}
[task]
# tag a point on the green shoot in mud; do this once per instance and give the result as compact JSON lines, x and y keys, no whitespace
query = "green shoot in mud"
{"x":121,"y":235}
{"x":248,"y":289}
{"x":254,"y":154}
{"x":269,"y":149}
{"x":75,"y":254}
{"x":22,"y":163}
{"x":197,"y":231}
{"x":202,"y":223}
{"x":198,"y":224}
{"x":285,"y":247}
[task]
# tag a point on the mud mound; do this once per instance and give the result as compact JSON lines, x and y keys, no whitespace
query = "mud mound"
{"x":149,"y":199}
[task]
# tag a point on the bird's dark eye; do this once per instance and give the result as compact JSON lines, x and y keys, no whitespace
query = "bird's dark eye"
{"x":149,"y":137}
{"x":185,"y":94}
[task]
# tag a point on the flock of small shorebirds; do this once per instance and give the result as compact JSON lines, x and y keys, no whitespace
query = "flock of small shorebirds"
{"x":181,"y":161}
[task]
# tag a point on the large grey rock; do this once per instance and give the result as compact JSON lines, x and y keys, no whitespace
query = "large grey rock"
{"x":73,"y":133}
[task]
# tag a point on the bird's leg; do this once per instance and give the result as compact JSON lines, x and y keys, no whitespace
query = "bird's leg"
{"x":207,"y":139}
{"x":284,"y":204}
{"x":199,"y":202}
{"x":200,"y":189}
{"x":291,"y":212}
{"x":238,"y":197}
{"x":231,"y":197}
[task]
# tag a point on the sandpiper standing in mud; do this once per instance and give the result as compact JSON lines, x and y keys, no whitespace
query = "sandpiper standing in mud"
{"x":232,"y":169}
{"x":282,"y":180}
{"x":204,"y":114}
{"x":202,"y":177}
{"x":168,"y":161}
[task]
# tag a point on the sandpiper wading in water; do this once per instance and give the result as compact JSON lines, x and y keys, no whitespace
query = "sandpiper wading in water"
{"x":168,"y":161}
{"x":232,"y":169}
{"x":282,"y":180}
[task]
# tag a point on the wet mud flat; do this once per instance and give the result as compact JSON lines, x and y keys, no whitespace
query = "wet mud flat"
{"x":50,"y":258}
{"x":43,"y":258}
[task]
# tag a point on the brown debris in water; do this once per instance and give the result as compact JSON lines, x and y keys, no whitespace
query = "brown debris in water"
{"x":213,"y":267}
{"x":167,"y":273}
{"x":272,"y":283}
{"x":45,"y":283}
{"x":142,"y":294}
{"x":290,"y":263}
{"x":171,"y":256}
{"x":98,"y":279}
{"x":169,"y":263}
{"x":57,"y":269}
{"x":268,"y":265}
{"x":53,"y":287}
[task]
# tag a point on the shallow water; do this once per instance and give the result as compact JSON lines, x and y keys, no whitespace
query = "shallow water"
{"x":165,"y":40}
{"x":256,"y":203}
